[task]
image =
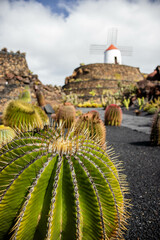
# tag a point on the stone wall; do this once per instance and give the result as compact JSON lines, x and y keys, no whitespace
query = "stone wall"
{"x":98,"y":77}
{"x":14,"y":68}
{"x":15,"y":74}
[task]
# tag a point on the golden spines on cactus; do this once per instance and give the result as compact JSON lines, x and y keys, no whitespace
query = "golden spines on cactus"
{"x":95,"y":126}
{"x":22,"y":116}
{"x":57,"y":186}
{"x":113,"y":115}
{"x":6,"y":134}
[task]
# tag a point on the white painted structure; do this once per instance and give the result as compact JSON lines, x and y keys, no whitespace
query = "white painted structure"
{"x":112,"y":55}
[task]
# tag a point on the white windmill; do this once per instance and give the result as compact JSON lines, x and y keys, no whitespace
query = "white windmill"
{"x":112,"y":54}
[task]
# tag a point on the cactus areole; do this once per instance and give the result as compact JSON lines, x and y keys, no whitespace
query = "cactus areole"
{"x":56,"y":187}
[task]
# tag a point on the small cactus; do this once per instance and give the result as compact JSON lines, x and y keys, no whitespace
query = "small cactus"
{"x":113,"y":115}
{"x":22,"y":116}
{"x":25,"y":95}
{"x":40,"y":98}
{"x":6,"y":134}
{"x":95,"y":126}
{"x":155,"y":129}
{"x":66,"y":115}
{"x":60,"y":187}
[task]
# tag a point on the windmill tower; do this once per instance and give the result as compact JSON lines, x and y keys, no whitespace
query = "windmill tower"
{"x":112,"y":54}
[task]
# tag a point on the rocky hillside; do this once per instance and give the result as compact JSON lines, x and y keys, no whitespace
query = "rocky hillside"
{"x":89,"y":81}
{"x":15,"y":75}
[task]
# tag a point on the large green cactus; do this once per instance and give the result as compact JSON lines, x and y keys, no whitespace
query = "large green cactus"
{"x":6,"y":134}
{"x":155,"y":129}
{"x":56,"y":187}
{"x":91,"y":121}
{"x":23,"y":116}
{"x":113,"y":115}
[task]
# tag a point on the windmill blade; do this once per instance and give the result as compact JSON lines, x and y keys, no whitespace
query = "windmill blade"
{"x":112,"y":36}
{"x":126,"y":50}
{"x":97,"y":49}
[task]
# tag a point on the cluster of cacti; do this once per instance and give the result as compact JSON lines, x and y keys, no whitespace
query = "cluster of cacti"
{"x":66,"y":115}
{"x":25,"y":95}
{"x":72,"y":98}
{"x":24,"y":116}
{"x":152,"y":106}
{"x":113,"y":115}
{"x":141,"y":102}
{"x":95,"y":126}
{"x":126,"y":103}
{"x":6,"y":134}
{"x":107,"y":98}
{"x":90,"y":104}
{"x":155,"y":129}
{"x":60,"y":187}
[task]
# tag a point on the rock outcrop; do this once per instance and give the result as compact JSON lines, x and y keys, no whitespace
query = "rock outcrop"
{"x":89,"y":81}
{"x":15,"y":74}
{"x":150,"y":87}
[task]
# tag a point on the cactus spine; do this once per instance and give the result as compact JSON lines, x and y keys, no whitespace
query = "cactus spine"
{"x":113,"y":115}
{"x":56,"y":187}
{"x":155,"y":130}
{"x":22,"y":116}
{"x":94,"y":124}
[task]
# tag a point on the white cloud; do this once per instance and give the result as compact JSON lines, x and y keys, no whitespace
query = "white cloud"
{"x":55,"y":45}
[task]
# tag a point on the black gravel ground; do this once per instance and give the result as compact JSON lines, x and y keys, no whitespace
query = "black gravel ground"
{"x":141,"y":163}
{"x":142,"y":167}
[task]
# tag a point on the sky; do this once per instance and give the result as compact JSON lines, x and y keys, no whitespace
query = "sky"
{"x":56,"y":35}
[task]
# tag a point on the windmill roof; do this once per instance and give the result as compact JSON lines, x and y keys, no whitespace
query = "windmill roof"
{"x":111,"y":47}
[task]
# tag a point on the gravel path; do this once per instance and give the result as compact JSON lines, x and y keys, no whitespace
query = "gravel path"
{"x":141,"y":163}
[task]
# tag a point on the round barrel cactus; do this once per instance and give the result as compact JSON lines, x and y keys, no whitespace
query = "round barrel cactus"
{"x":66,"y":115}
{"x":113,"y":115}
{"x":94,"y":124}
{"x":6,"y":134}
{"x":155,"y":129}
{"x":60,"y":187}
{"x":23,"y":116}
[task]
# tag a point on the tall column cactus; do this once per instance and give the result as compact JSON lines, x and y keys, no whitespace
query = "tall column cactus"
{"x":94,"y":124}
{"x":56,"y":187}
{"x":155,"y":129}
{"x":113,"y":115}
